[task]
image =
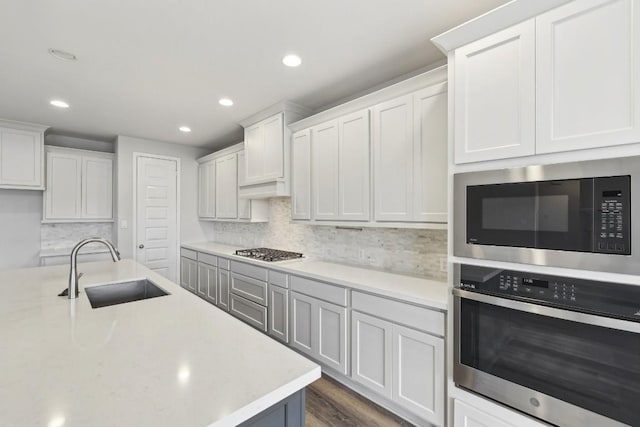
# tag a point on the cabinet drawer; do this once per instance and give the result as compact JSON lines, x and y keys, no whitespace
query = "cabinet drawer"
{"x":249,"y":270}
{"x":420,"y":318}
{"x":324,"y":291}
{"x":279,"y":279}
{"x":249,"y":312}
{"x":208,"y":259}
{"x":188,"y":253}
{"x":223,"y":263}
{"x":249,"y":288}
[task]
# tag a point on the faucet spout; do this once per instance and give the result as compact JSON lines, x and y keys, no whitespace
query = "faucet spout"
{"x":73,"y":290}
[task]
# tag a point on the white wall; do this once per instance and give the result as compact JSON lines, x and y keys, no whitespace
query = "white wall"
{"x":79,"y":143}
{"x":191,"y":228}
{"x":20,"y":216}
{"x":405,"y":251}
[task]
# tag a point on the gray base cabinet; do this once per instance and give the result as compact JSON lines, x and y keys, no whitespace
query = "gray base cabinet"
{"x":278,"y":313}
{"x":289,"y":412}
{"x":371,"y":349}
{"x":207,"y":282}
{"x":223,"y":288}
{"x":248,"y":311}
{"x":319,"y":329}
{"x":188,"y":274}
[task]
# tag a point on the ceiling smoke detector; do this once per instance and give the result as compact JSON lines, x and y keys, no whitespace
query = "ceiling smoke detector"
{"x":63,"y":55}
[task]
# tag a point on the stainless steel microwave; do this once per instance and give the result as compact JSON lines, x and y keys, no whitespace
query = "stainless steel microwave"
{"x":572,"y":215}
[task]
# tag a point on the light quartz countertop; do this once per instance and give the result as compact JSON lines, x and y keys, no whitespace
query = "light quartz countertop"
{"x":416,"y":290}
{"x":168,"y":361}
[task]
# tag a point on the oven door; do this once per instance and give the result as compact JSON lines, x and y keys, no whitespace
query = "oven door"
{"x":564,"y":367}
{"x":543,"y":215}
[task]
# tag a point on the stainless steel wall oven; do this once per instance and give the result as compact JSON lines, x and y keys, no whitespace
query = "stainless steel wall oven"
{"x":572,"y":215}
{"x":561,"y":349}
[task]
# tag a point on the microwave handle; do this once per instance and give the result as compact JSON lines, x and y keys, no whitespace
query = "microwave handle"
{"x":572,"y":316}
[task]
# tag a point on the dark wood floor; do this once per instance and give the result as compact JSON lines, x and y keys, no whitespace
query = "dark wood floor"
{"x":329,"y":403}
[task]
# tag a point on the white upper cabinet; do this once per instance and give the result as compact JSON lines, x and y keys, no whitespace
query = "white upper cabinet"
{"x":301,"y":175}
{"x":267,"y":146}
{"x":588,"y":75}
{"x":207,"y":189}
{"x":219,"y":177}
{"x":353,"y":167}
{"x":324,"y":167}
{"x":227,"y":187}
{"x":389,"y":155}
{"x":430,"y":154}
{"x":79,"y":186}
{"x":21,"y":156}
{"x":393,"y":159}
{"x":495,"y":96}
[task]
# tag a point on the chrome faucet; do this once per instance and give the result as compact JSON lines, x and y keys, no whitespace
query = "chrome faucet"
{"x":73,"y":290}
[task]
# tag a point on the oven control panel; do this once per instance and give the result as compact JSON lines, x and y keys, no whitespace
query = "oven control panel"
{"x":612,"y":215}
{"x":619,"y":300}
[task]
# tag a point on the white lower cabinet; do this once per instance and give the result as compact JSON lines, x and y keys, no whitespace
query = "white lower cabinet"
{"x":371,"y":352}
{"x":484,"y":413}
{"x":188,"y":274}
{"x":468,"y":416}
{"x":319,"y":329}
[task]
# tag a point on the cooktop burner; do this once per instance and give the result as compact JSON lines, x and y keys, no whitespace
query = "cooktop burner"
{"x":267,"y":254}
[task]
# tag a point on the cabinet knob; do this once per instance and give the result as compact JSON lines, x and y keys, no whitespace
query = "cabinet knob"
{"x":141,"y":246}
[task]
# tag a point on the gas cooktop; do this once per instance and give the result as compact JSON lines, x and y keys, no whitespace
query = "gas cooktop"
{"x":267,"y":254}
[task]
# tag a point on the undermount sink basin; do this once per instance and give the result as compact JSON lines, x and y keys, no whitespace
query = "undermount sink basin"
{"x":123,"y":292}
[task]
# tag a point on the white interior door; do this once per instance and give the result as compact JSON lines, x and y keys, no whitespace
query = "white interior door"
{"x":157,"y":215}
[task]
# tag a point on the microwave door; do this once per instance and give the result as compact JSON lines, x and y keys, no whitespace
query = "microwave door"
{"x":502,"y":214}
{"x":564,"y":215}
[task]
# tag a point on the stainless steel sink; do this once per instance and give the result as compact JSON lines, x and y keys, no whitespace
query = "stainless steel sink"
{"x":123,"y":292}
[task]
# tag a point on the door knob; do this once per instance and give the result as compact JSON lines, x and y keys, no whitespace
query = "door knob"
{"x":141,"y":246}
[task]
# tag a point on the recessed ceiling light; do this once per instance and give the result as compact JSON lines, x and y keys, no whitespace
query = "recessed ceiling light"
{"x":185,"y":129}
{"x":59,"y":104}
{"x":61,"y":54}
{"x":226,"y":102}
{"x":292,"y":60}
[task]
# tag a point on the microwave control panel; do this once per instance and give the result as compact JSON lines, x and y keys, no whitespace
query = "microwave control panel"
{"x":614,"y":299}
{"x":612,"y":215}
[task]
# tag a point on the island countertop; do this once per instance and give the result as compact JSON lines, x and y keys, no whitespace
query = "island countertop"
{"x":166,"y":361}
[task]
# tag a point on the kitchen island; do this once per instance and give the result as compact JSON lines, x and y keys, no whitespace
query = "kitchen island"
{"x":165,"y":361}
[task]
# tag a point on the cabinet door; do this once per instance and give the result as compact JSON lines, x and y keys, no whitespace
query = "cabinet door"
{"x":227,"y":187}
{"x":495,"y":96}
{"x":244,"y":205}
{"x":254,"y":152}
{"x":207,"y":190}
{"x":223,"y":289}
{"x":371,"y":352}
{"x":430,"y":158}
{"x":97,"y":188}
{"x":324,"y":169}
{"x":273,"y":147}
{"x":207,"y":282}
{"x":279,"y":313}
{"x":393,"y":159}
{"x":188,"y":274}
{"x":301,"y":175}
{"x":20,"y":158}
{"x":418,"y":373}
{"x":353,"y":167}
{"x":467,"y":416}
{"x":331,"y":332}
{"x":302,"y":323}
{"x":63,"y":196}
{"x":588,"y":75}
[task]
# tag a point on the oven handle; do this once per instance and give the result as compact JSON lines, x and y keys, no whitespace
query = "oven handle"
{"x":573,"y":316}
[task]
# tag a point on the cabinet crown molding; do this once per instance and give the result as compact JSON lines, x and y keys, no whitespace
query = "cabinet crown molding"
{"x":412,"y":84}
{"x":229,"y":150}
{"x":280,"y":107}
{"x":14,"y":124}
{"x":502,"y":17}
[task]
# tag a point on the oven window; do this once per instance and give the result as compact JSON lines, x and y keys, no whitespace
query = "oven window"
{"x":589,"y":366}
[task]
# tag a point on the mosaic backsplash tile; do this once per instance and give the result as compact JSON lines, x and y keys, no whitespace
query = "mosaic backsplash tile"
{"x":404,"y":251}
{"x":66,"y":235}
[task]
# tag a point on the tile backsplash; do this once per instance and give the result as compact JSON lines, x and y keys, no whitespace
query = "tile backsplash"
{"x":405,"y":251}
{"x":66,"y":235}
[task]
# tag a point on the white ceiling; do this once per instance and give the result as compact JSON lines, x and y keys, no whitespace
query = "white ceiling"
{"x":146,"y":67}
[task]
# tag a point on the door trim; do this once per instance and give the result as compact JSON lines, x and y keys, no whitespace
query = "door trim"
{"x":134,"y":192}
